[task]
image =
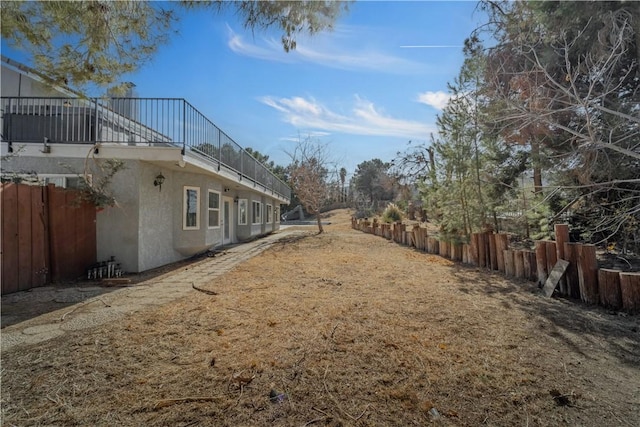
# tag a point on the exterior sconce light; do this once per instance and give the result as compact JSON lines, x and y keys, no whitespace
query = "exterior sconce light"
{"x":235,"y":200}
{"x":226,"y":190}
{"x":158,"y":181}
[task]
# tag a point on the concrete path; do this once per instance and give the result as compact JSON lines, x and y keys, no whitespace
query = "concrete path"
{"x":97,"y":306}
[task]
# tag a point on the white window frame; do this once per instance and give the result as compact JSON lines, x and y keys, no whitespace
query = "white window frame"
{"x":185,"y":195}
{"x":256,"y":215}
{"x":245,"y":211}
{"x":210,"y":209}
{"x":269,"y":213}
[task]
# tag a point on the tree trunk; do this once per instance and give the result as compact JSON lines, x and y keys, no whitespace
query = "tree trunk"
{"x":537,"y":170}
{"x":320,"y":229}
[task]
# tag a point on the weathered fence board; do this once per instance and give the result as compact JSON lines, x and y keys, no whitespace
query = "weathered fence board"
{"x":526,"y":264}
{"x":609,"y":288}
{"x":571,"y":276}
{"x":73,"y":244}
{"x":456,"y":251}
{"x":587,"y":273}
{"x":630,"y":291}
{"x":518,"y":264}
{"x":443,"y":249}
{"x":541,"y":262}
{"x":562,"y":236}
{"x":552,"y":255}
{"x":482,"y":250}
{"x":555,"y":275}
{"x":493,"y":256}
{"x":509,"y":268}
{"x":473,"y":249}
{"x":46,"y":236}
{"x":502,"y":243}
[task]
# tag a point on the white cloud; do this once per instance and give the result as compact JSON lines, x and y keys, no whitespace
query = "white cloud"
{"x":364,"y":118}
{"x":438,"y":100}
{"x":305,"y":133}
{"x":237,"y":44}
{"x":331,"y":56}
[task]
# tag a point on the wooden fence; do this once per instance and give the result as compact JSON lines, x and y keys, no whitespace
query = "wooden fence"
{"x":582,"y":278}
{"x":46,"y":236}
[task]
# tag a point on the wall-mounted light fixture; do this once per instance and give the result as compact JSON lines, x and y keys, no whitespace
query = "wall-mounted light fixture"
{"x":158,"y":181}
{"x":226,"y":189}
{"x":235,"y":200}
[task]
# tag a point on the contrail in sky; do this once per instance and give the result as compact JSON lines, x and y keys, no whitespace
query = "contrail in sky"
{"x":432,"y":46}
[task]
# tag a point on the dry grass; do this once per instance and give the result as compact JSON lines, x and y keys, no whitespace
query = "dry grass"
{"x":343,"y":328}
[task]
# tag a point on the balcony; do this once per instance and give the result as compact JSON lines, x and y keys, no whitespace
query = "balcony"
{"x":153,"y":122}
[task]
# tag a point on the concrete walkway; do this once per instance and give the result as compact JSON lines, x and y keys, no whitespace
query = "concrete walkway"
{"x":97,"y":305}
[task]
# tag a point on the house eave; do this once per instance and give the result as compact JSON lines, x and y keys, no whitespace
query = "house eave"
{"x":168,"y":157}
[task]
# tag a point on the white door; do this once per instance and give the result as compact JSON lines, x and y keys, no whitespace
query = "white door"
{"x":227,"y":220}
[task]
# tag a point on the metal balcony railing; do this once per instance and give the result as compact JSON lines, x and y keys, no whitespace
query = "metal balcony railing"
{"x":132,"y":121}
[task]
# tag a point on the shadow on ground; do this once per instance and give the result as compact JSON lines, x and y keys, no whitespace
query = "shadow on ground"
{"x":25,"y":305}
{"x":565,"y":319}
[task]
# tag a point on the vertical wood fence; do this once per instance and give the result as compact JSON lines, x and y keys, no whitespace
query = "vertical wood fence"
{"x":582,"y":280}
{"x":46,"y":236}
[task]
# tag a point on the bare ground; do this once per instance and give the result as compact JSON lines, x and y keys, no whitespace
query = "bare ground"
{"x":343,"y":328}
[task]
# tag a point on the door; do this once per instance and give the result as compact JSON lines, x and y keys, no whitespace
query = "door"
{"x":227,"y":220}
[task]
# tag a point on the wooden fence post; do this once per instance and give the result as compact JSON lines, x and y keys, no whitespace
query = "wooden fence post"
{"x":562,"y":236}
{"x":482,"y":249}
{"x":587,"y":273}
{"x":502,"y":243}
{"x":473,"y":249}
{"x":534,"y":267}
{"x":609,"y":288}
{"x":630,"y":291}
{"x":509,"y":268}
{"x":518,"y":264}
{"x":527,"y":265}
{"x":444,"y":249}
{"x":493,"y":255}
{"x":541,"y":262}
{"x":456,"y":252}
{"x":571,"y":276}
{"x":435,"y":245}
{"x":552,"y":256}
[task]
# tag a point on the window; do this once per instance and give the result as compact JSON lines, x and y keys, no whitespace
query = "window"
{"x":242,"y":212}
{"x":214,"y":209}
{"x":191,"y":213}
{"x":256,"y":213}
{"x":64,"y":180}
{"x":277,"y":213}
{"x":269,"y":214}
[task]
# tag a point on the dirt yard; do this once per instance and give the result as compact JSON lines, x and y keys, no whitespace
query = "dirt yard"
{"x":343,"y":328}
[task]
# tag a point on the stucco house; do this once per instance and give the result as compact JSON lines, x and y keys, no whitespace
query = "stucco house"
{"x":186,"y":186}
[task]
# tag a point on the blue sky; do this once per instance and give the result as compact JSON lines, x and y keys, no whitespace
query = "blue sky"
{"x":357,"y":89}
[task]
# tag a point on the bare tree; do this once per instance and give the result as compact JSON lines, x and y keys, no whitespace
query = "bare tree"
{"x":309,"y":171}
{"x":579,"y":102}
